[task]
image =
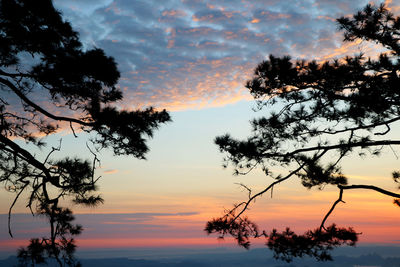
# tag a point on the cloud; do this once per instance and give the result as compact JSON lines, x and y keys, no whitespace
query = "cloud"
{"x":110,"y":171}
{"x":114,"y":230}
{"x":192,"y":54}
{"x":115,"y":225}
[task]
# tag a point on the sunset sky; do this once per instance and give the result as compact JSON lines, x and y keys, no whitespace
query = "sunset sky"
{"x":192,"y":57}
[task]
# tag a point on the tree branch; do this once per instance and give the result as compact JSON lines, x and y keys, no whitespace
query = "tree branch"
{"x":12,"y":205}
{"x":25,"y":155}
{"x":370,"y":187}
{"x":332,"y":208}
{"x":348,"y":187}
{"x":251,"y":198}
{"x":15,"y":74}
{"x":361,"y":127}
{"x":332,"y":147}
{"x":40,"y":109}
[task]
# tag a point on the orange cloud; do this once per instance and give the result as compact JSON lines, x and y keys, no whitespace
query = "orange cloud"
{"x":230,"y":14}
{"x":208,"y":17}
{"x":110,"y":171}
{"x":210,"y":6}
{"x":368,"y":49}
{"x":273,"y":15}
{"x":393,"y":7}
{"x":326,"y":18}
{"x":174,"y":13}
{"x":202,"y":87}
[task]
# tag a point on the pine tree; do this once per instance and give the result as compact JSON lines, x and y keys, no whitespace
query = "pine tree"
{"x":47,"y":81}
{"x":326,"y":112}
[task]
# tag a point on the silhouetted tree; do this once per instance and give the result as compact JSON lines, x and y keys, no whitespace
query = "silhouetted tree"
{"x":319,"y":114}
{"x":46,"y":79}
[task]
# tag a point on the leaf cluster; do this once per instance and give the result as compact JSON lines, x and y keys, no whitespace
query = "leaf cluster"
{"x":287,"y":244}
{"x":60,"y":246}
{"x":316,"y":243}
{"x":241,"y":229}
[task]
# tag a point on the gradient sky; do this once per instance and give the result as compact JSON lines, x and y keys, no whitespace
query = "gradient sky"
{"x":192,"y":57}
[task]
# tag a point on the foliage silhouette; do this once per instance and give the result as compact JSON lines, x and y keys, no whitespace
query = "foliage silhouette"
{"x":326,"y":112}
{"x":44,"y":72}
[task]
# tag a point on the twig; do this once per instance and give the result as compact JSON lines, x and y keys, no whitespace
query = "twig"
{"x":72,"y":128}
{"x":385,"y":132}
{"x":95,"y":159}
{"x":394,"y":152}
{"x":245,"y":187}
{"x":247,"y":203}
{"x":52,"y":150}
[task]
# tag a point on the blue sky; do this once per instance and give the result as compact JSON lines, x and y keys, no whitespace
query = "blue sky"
{"x":193,"y":57}
{"x":194,"y":54}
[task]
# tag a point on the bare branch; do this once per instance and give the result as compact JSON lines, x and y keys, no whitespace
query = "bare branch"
{"x":348,"y":187}
{"x":53,"y":149}
{"x":245,"y":187}
{"x":332,"y":208}
{"x":333,"y":147}
{"x":370,"y":187}
{"x":12,"y":205}
{"x":72,"y":128}
{"x":247,"y":203}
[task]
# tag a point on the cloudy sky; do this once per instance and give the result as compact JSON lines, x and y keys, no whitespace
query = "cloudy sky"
{"x":181,"y":54}
{"x":192,"y":57}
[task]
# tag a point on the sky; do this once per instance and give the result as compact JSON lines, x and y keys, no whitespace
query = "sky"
{"x":192,"y":57}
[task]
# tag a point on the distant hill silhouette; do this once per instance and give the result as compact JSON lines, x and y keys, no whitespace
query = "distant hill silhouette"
{"x":254,"y":258}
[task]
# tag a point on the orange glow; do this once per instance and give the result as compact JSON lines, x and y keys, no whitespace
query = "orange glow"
{"x":12,"y":243}
{"x":110,"y":171}
{"x":370,"y":213}
{"x":210,"y":6}
{"x":146,"y":242}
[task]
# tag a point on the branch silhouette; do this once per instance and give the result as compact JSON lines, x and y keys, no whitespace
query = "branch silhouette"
{"x":56,"y":75}
{"x":318,"y":115}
